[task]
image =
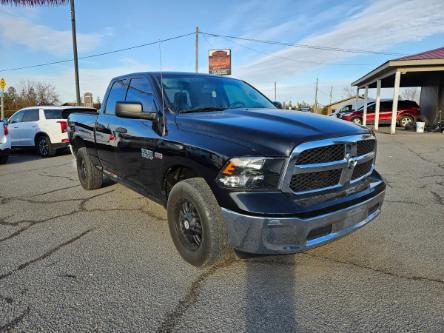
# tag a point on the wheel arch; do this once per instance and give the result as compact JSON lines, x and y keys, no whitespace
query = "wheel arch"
{"x":77,"y":143}
{"x":406,"y":114}
{"x":176,"y":173}
{"x":38,"y":135}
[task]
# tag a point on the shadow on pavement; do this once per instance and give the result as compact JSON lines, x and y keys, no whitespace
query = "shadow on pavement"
{"x":21,"y":155}
{"x":270,"y":293}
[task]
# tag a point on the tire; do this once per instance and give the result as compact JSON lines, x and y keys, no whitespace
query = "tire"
{"x":196,"y":224}
{"x":90,"y":177}
{"x":406,"y":121}
{"x":44,"y":146}
{"x":4,"y":159}
{"x":357,"y":121}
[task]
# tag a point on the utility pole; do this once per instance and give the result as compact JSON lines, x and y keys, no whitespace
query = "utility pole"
{"x":316,"y":97}
{"x":275,"y":91}
{"x":197,"y":50}
{"x":2,"y":106}
{"x":2,"y":92}
{"x":74,"y":47}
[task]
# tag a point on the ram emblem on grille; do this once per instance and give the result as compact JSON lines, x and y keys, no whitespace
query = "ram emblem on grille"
{"x":350,"y":162}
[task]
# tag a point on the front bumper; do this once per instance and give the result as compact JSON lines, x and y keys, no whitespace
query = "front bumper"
{"x":281,"y":235}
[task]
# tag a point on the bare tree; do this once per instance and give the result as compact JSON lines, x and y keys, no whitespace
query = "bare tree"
{"x":36,"y":3}
{"x":35,"y":93}
{"x":411,"y":94}
{"x":348,"y":91}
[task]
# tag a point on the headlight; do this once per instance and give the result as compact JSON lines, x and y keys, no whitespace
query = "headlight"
{"x":251,"y":173}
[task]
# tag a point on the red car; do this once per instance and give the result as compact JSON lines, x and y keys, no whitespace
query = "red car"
{"x":408,"y":113}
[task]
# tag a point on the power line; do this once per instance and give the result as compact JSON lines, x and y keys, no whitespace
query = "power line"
{"x":292,"y":59}
{"x":234,"y":38}
{"x":298,"y":45}
{"x":96,"y":54}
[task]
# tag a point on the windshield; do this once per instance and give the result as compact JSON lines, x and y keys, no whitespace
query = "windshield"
{"x":193,"y":93}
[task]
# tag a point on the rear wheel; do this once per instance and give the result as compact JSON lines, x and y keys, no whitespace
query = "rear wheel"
{"x":195,"y":222}
{"x":406,"y":121}
{"x":90,"y":177}
{"x":357,"y":121}
{"x":4,"y":159}
{"x":44,"y":146}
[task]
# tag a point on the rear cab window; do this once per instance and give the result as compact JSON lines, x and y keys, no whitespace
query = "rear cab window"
{"x":116,"y":94}
{"x":140,"y":90}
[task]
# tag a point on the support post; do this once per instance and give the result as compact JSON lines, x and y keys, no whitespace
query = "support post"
{"x":364,"y":120}
{"x":357,"y":98}
{"x":331,"y":94}
{"x":378,"y":104}
{"x":395,"y":101}
{"x":197,"y":50}
{"x":74,"y":47}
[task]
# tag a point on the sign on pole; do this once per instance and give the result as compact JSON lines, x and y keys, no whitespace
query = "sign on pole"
{"x":219,"y":62}
{"x":2,"y":84}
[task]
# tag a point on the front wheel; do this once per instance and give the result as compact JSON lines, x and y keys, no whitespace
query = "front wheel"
{"x":357,"y":121}
{"x":196,"y":224}
{"x":44,"y":146}
{"x":406,"y":121}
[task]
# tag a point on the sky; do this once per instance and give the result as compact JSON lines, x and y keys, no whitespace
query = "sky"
{"x":30,"y":36}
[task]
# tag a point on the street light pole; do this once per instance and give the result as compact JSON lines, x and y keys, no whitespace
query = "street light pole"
{"x":74,"y":47}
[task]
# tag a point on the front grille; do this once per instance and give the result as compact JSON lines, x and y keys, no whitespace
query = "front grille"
{"x":322,"y":154}
{"x":365,"y":146}
{"x":362,"y":169}
{"x":311,"y":181}
{"x":330,"y":163}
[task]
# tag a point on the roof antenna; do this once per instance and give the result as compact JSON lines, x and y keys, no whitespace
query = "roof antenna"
{"x":163,"y":122}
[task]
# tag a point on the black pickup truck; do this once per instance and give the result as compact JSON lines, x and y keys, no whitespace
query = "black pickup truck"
{"x":232,"y":170}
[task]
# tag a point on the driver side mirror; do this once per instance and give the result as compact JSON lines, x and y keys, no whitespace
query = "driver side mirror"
{"x":277,"y":104}
{"x":134,"y":110}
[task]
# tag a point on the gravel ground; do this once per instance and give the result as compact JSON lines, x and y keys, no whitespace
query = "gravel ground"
{"x":72,"y":260}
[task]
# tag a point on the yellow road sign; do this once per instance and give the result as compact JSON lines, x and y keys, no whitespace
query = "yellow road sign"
{"x":2,"y":84}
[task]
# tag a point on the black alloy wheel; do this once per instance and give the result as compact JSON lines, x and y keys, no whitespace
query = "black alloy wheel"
{"x":43,"y":146}
{"x":189,"y":226}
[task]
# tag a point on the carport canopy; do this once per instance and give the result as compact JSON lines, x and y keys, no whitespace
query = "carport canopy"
{"x":409,"y":71}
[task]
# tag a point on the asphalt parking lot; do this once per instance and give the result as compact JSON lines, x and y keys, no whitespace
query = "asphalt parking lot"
{"x":72,"y":260}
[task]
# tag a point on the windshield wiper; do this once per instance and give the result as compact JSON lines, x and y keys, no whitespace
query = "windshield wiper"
{"x":203,"y":109}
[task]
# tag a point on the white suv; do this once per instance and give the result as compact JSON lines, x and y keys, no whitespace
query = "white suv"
{"x":43,"y":127}
{"x":5,"y":143}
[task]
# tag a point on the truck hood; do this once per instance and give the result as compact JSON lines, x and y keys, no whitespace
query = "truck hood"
{"x":268,"y":132}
